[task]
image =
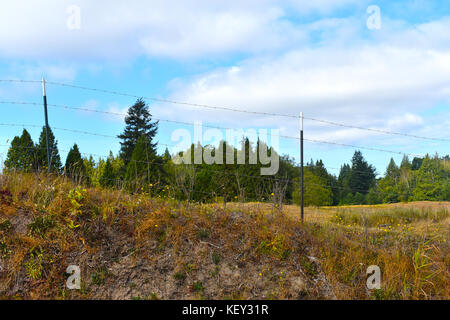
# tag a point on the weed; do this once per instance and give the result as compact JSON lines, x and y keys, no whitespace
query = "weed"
{"x":99,"y":277}
{"x":216,"y":257}
{"x":203,"y":234}
{"x":215,"y":272}
{"x":5,"y":225}
{"x":76,"y":197}
{"x":276,"y":247}
{"x":180,"y":276}
{"x":41,"y":225}
{"x":153,"y":296}
{"x":189,"y":267}
{"x":197,"y":286}
{"x":309,"y":266}
{"x":34,"y":266}
{"x":3,"y":249}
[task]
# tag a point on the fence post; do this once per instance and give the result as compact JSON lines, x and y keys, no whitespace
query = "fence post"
{"x":46,"y":123}
{"x":301,"y":166}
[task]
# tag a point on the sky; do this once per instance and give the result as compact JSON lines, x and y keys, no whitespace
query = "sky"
{"x":378,"y":64}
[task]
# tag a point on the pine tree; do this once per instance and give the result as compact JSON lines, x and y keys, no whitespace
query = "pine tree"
{"x":362,"y":175}
{"x":167,"y":157}
{"x":74,"y":163}
{"x":416,"y":163}
{"x":108,"y":175}
{"x":21,"y":155}
{"x":406,"y":164}
{"x":55,"y":159}
{"x":393,"y":171}
{"x":138,"y":123}
{"x":343,"y":183}
{"x":90,"y":171}
{"x":143,"y":166}
{"x":389,"y":184}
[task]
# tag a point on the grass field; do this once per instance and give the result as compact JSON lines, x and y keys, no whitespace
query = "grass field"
{"x":408,"y":241}
{"x":137,"y":247}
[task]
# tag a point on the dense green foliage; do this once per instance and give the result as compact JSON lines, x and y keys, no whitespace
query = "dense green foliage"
{"x":74,"y":163}
{"x":138,"y":123}
{"x":22,"y":154}
{"x":138,"y":168}
{"x":41,"y":150}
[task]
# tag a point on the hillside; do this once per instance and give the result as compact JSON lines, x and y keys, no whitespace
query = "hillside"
{"x":139,"y":247}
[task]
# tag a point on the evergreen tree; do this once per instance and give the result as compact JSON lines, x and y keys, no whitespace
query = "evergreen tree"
{"x":432,"y":180}
{"x":393,"y":171}
{"x":343,"y":183}
{"x":138,"y":123}
{"x":74,"y":163}
{"x":406,"y":164}
{"x":390,"y":183}
{"x":143,"y":166}
{"x":362,"y":175}
{"x":416,"y":163}
{"x":55,"y":159}
{"x":21,"y":155}
{"x":90,"y":171}
{"x":108,"y":176}
{"x":167,"y":157}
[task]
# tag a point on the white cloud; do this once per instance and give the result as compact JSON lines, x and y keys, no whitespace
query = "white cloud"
{"x":330,"y":68}
{"x":374,"y":84}
{"x":175,"y":29}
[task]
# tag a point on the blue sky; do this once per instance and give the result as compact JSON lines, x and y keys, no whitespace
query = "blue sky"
{"x":318,"y":57}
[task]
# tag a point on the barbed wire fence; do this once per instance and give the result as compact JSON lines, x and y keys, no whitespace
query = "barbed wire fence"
{"x":214,"y":193}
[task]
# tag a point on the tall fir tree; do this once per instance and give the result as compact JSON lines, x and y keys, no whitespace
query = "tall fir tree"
{"x":389,"y":184}
{"x":55,"y":159}
{"x":138,"y":123}
{"x":22,"y":153}
{"x":74,"y":167}
{"x":362,"y":175}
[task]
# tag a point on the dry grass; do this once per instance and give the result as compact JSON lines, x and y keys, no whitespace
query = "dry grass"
{"x":409,"y":242}
{"x":135,"y":246}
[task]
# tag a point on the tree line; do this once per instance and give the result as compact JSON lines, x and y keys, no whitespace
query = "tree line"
{"x":139,"y":168}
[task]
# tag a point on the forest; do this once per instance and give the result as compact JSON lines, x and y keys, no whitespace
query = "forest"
{"x":138,"y":168}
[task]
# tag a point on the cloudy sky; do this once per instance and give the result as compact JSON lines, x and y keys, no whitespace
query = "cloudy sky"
{"x":329,"y":59}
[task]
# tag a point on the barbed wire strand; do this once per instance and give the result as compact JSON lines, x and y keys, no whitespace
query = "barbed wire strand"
{"x":230,"y":109}
{"x":190,"y":123}
{"x":115,"y":137}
